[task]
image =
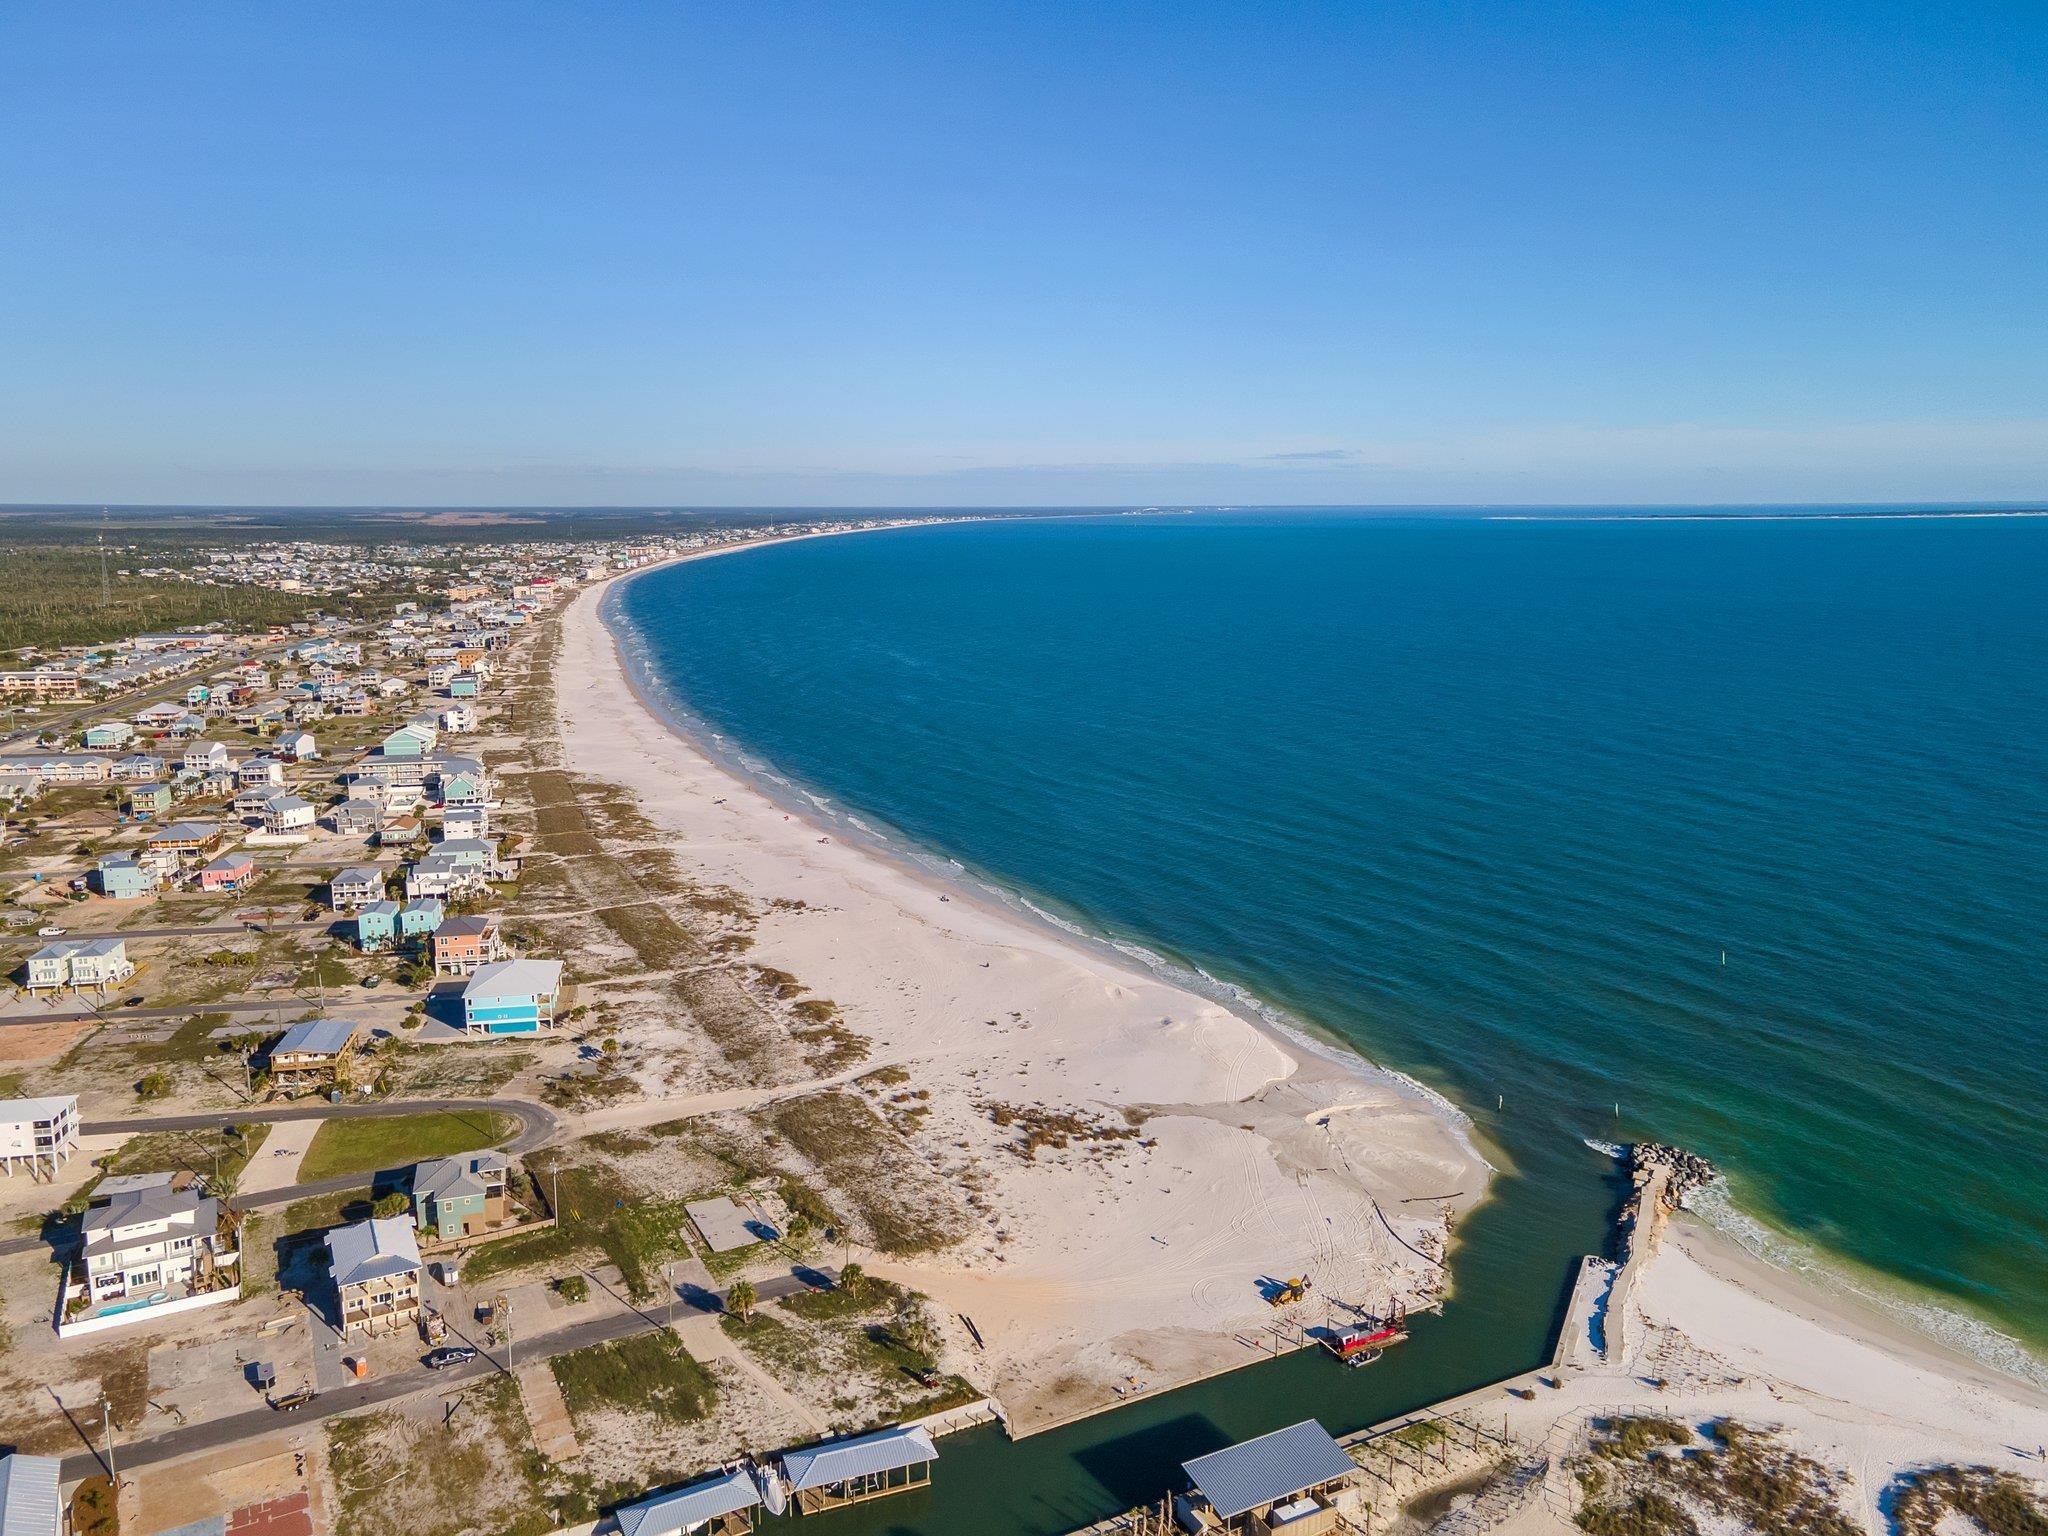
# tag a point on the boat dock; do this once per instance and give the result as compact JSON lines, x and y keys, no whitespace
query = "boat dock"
{"x":1460,"y":1436}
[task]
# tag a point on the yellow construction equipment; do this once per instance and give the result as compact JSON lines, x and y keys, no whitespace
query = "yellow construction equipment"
{"x":1289,"y":1291}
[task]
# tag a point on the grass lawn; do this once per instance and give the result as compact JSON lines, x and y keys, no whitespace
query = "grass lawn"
{"x":649,"y":1372}
{"x":366,"y":1145}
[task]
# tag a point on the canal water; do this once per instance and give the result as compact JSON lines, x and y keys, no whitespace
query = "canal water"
{"x":1514,"y":1264}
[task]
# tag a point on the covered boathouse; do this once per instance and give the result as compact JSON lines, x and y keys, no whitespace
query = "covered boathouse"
{"x":1287,"y":1481}
{"x":872,"y":1466}
{"x":718,"y":1506}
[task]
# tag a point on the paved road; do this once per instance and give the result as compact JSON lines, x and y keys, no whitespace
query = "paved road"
{"x":114,"y":1013}
{"x":221,"y":1433}
{"x":538,"y":1126}
{"x":197,"y":931}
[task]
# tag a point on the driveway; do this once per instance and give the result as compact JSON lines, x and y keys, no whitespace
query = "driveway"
{"x":276,"y":1164}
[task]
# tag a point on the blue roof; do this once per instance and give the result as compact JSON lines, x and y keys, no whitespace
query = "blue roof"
{"x":691,"y":1506}
{"x":839,"y":1461}
{"x":1269,"y":1469}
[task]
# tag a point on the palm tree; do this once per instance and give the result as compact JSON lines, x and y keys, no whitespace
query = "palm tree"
{"x":853,"y":1280}
{"x":740,"y":1298}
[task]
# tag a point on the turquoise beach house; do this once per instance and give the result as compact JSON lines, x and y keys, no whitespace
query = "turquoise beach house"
{"x":512,"y":997}
{"x":421,"y":918}
{"x":376,"y":926}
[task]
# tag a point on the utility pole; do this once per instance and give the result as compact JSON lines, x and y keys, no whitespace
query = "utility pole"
{"x":106,"y":592}
{"x":107,"y":1425}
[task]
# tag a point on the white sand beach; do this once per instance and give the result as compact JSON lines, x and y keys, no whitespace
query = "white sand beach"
{"x":1122,"y":1264}
{"x":1710,"y":1332}
{"x":1135,"y":1265}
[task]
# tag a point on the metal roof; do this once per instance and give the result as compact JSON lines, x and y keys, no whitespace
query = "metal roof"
{"x":372,"y":1250}
{"x":187,"y":832}
{"x":688,"y":1507}
{"x":49,"y":1107}
{"x":842,"y":1460}
{"x":28,"y":1495}
{"x":102,"y":1226}
{"x":444,"y":1178}
{"x":318,"y":1037}
{"x":1271,"y":1468}
{"x":514,"y":978}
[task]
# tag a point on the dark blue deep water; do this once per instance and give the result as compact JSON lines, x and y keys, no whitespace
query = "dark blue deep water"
{"x":1491,"y":800}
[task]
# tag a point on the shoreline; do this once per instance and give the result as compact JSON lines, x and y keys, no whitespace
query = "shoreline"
{"x":1827,"y":1284}
{"x":1096,"y":1274}
{"x":1803,"y":1339}
{"x":934,"y":866}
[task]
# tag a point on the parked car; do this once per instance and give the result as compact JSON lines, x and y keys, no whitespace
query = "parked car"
{"x":49,"y":931}
{"x":454,"y":1354}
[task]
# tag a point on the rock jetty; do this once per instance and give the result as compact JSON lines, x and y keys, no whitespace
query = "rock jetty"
{"x":1684,"y":1172}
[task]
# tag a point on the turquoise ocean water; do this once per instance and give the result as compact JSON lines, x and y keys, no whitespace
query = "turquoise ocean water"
{"x":1492,"y":800}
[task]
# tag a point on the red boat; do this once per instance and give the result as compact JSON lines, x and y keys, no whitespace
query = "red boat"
{"x":1361,"y":1346}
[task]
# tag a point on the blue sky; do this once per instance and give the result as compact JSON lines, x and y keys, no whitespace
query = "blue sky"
{"x":872,"y":253}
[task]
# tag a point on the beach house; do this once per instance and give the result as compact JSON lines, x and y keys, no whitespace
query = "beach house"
{"x":155,"y":1237}
{"x":108,"y":736}
{"x":512,"y":997}
{"x":376,"y":1269}
{"x":284,"y":815}
{"x":140,"y":767}
{"x":355,"y":886}
{"x":376,"y":926}
{"x":149,"y":800}
{"x":207,"y":756}
{"x":312,"y":1051}
{"x":79,"y":963}
{"x":464,"y":945}
{"x":120,"y":877}
{"x":38,"y":1136}
{"x":444,"y":874}
{"x":299,"y":746}
{"x":63,"y":767}
{"x":230,"y":872}
{"x":260,"y":773}
{"x":357,"y":817}
{"x":183,"y":840}
{"x":465,"y":821}
{"x":411,"y":740}
{"x":421,"y":919}
{"x":462,"y":1196}
{"x":462,"y":781}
